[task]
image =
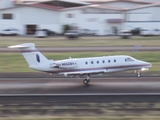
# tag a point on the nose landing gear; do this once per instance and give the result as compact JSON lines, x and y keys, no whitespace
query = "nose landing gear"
{"x":138,"y":73}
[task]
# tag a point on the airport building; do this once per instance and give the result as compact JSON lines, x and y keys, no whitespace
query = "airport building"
{"x":102,"y":17}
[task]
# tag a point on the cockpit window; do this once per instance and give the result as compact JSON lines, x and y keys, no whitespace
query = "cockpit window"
{"x":129,"y":59}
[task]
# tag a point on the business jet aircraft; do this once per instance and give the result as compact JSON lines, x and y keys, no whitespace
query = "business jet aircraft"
{"x":80,"y":66}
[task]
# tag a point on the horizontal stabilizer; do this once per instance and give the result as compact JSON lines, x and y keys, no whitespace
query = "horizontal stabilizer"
{"x":22,"y":46}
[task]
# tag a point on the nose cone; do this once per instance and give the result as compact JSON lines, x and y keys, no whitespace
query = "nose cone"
{"x":150,"y":65}
{"x":147,"y":64}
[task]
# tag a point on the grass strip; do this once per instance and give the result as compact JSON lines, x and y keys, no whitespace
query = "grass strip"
{"x":14,"y":62}
{"x":82,"y":41}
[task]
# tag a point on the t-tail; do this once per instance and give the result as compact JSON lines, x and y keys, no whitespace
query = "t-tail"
{"x":31,"y":54}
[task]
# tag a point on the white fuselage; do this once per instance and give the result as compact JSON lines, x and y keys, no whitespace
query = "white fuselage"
{"x":109,"y":63}
{"x":80,"y":66}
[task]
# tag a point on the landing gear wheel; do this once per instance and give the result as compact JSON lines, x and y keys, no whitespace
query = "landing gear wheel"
{"x":139,"y":75}
{"x":88,"y":80}
{"x":85,"y":81}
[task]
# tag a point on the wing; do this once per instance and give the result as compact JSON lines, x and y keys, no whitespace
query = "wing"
{"x":84,"y":72}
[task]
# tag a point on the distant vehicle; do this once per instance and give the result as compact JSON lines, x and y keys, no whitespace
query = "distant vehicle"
{"x":49,"y":32}
{"x":87,"y":32}
{"x":156,"y":32}
{"x":125,"y":34}
{"x":40,"y":33}
{"x":145,"y":32}
{"x":72,"y":34}
{"x":9,"y":32}
{"x":148,"y":32}
{"x":80,"y":67}
{"x":91,"y":32}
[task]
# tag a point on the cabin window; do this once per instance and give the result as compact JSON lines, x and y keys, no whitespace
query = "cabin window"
{"x":114,"y":60}
{"x":109,"y":61}
{"x":86,"y":63}
{"x":91,"y":62}
{"x":125,"y":60}
{"x":103,"y":61}
{"x":97,"y":62}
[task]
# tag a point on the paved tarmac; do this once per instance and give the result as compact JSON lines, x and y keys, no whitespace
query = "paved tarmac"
{"x":72,"y":90}
{"x":75,"y":86}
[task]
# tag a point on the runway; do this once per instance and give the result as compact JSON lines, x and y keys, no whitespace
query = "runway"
{"x":61,"y":96}
{"x":75,"y":86}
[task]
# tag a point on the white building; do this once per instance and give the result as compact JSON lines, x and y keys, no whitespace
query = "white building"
{"x":6,"y":4}
{"x":151,"y":0}
{"x":28,"y":18}
{"x":147,"y":16}
{"x":103,"y":18}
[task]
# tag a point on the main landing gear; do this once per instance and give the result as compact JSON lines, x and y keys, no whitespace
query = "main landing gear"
{"x":138,"y":73}
{"x":87,"y":80}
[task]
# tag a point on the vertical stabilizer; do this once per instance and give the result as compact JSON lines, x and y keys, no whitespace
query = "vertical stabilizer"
{"x":31,"y":54}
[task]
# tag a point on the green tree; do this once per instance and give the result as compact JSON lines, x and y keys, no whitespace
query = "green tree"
{"x":66,"y":27}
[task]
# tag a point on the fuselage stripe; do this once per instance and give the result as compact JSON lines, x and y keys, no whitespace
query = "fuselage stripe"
{"x":107,"y":68}
{"x":28,"y":51}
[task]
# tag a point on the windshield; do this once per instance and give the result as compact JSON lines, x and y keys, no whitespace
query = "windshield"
{"x":71,"y":31}
{"x":130,"y":59}
{"x":125,"y":31}
{"x":144,"y":30}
